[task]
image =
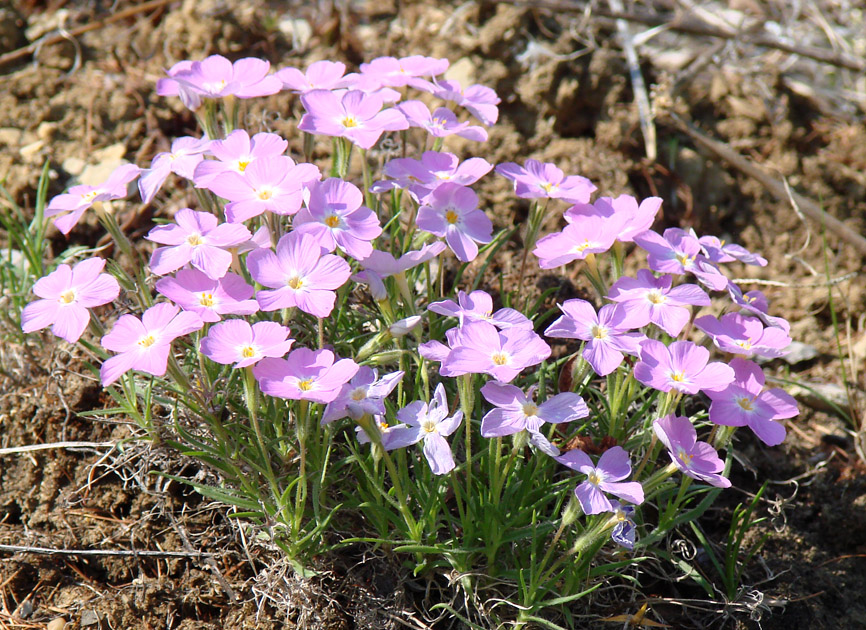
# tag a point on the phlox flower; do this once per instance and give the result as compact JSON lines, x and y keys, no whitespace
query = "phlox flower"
{"x":452,"y":212}
{"x":441,"y":123}
{"x":539,"y":179}
{"x":380,"y":265}
{"x":623,"y":533}
{"x":196,"y":239}
{"x":636,"y":219}
{"x":738,"y":334}
{"x":353,"y":115}
{"x":745,"y":403}
{"x":678,"y":252}
{"x":480,"y":100}
{"x":335,"y":216}
{"x":185,"y":154}
{"x":606,"y":476}
{"x":193,"y":290}
{"x":217,"y":77}
{"x":386,"y":433}
{"x":79,"y":198}
{"x":478,"y":306}
{"x":144,"y":344}
{"x":299,"y":273}
{"x":696,"y":459}
{"x":432,"y":424}
{"x":235,"y":341}
{"x":235,"y":152}
{"x":650,"y":299}
{"x":756,"y":303}
{"x":305,"y":374}
{"x":321,"y":75}
{"x":364,"y":394}
{"x":393,"y":72}
{"x":586,"y":234}
{"x":720,"y":252}
{"x":606,"y":333}
{"x":681,"y":366}
{"x":482,"y":349}
{"x":67,"y":293}
{"x":421,"y":177}
{"x":274,"y":184}
{"x":515,"y":411}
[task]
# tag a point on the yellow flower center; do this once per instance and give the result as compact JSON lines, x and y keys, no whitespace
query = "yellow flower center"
{"x":452,"y":217}
{"x":89,"y":196}
{"x":547,"y":186}
{"x":745,"y":345}
{"x":147,"y":342}
{"x":500,"y":358}
{"x":594,"y":478}
{"x":746,"y":404}
{"x":428,"y":426}
{"x":678,"y":377}
{"x":67,"y":296}
{"x":578,"y":249}
{"x":305,"y":385}
{"x":599,"y":332}
{"x":530,"y":409}
{"x":206,"y":299}
{"x":242,"y":165}
{"x":684,"y":457}
{"x":332,"y":221}
{"x":266,"y":194}
{"x":656,"y":297}
{"x":349,"y":122}
{"x":248,"y":352}
{"x":685,"y":261}
{"x":296,"y":283}
{"x":359,"y":394}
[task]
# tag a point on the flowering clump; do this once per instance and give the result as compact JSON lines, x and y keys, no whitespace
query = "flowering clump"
{"x":253,"y":324}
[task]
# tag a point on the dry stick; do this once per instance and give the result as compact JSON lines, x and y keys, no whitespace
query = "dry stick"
{"x":14,"y":450}
{"x":692,"y":26}
{"x":92,"y":26}
{"x":776,"y":188}
{"x":104,"y":552}
{"x":647,"y":125}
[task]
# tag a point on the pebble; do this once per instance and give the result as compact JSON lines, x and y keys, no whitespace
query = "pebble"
{"x":56,"y":624}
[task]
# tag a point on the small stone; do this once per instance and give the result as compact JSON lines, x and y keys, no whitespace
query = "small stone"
{"x":56,"y":624}
{"x":89,"y":618}
{"x":799,"y":352}
{"x":463,"y":71}
{"x":296,"y":30}
{"x":30,"y":151}
{"x":10,"y":136}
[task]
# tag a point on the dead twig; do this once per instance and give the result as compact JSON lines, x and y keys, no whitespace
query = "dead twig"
{"x":98,"y":553}
{"x":15,"y":450}
{"x":86,"y":28}
{"x":776,"y":187}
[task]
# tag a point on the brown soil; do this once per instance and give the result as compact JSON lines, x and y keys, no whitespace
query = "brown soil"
{"x":567,"y":98}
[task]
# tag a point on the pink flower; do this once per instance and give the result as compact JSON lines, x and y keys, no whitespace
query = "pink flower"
{"x":590,"y":234}
{"x":636,"y":219}
{"x":682,"y":366}
{"x":235,"y":341}
{"x":80,"y":198}
{"x":355,"y":116}
{"x":274,"y":184}
{"x":481,"y":101}
{"x":321,"y":75}
{"x":235,"y":152}
{"x":441,"y":123}
{"x":720,"y":252}
{"x":536,"y":179}
{"x":482,"y":349}
{"x":305,"y":375}
{"x":144,"y":344}
{"x":364,"y":394}
{"x":738,"y":334}
{"x":392,"y":72}
{"x":185,"y":154}
{"x":606,"y":476}
{"x":678,"y":252}
{"x":452,"y":212}
{"x":696,"y":459}
{"x":300,"y":275}
{"x":198,"y":240}
{"x":650,"y":299}
{"x":422,"y":177}
{"x":217,"y":77}
{"x":478,"y":306}
{"x":193,"y":291}
{"x":380,"y":265}
{"x":335,"y":216}
{"x":67,"y":293}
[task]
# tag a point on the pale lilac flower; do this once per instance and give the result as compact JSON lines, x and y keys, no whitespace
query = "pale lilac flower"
{"x":606,"y":333}
{"x":392,"y":72}
{"x":432,"y":424}
{"x":196,"y":239}
{"x":335,"y":216}
{"x":681,"y":366}
{"x":483,"y":349}
{"x":540,"y":179}
{"x":584,"y":235}
{"x":235,"y":341}
{"x":217,"y":77}
{"x":300,"y":274}
{"x":192,"y":290}
{"x":636,"y":218}
{"x":364,"y":394}
{"x":235,"y":153}
{"x":144,"y":344}
{"x":404,"y":326}
{"x":353,"y":115}
{"x":67,"y":293}
{"x":305,"y":375}
{"x":380,"y":265}
{"x":623,"y":532}
{"x":678,"y":252}
{"x":478,"y":305}
{"x":481,"y":101}
{"x":515,"y":411}
{"x":452,"y":212}
{"x":720,"y":252}
{"x":650,"y":299}
{"x":441,"y":123}
{"x":321,"y":75}
{"x":756,"y":303}
{"x":80,"y":198}
{"x":745,"y":403}
{"x":696,"y":459}
{"x":386,"y":433}
{"x":185,"y":154}
{"x":738,"y":334}
{"x":606,"y":476}
{"x":274,"y":184}
{"x":421,"y":177}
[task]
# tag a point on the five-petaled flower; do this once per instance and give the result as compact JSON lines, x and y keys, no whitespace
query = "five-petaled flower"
{"x":606,"y":476}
